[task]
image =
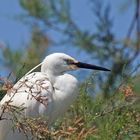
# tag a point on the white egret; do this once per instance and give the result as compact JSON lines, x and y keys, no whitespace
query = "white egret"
{"x":49,"y":92}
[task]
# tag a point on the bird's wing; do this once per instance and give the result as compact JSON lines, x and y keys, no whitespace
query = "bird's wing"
{"x":31,"y":92}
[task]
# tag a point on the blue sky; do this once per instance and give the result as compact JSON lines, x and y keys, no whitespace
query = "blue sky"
{"x":12,"y":31}
{"x":17,"y":34}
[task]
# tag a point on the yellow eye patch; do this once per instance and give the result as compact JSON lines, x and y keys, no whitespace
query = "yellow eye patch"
{"x":69,"y":61}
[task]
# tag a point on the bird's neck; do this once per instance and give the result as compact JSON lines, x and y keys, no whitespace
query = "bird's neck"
{"x":52,"y":75}
{"x":66,"y":88}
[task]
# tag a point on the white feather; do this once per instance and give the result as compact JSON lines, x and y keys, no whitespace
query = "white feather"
{"x":47,"y":93}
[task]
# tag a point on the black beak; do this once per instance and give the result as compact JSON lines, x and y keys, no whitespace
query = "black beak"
{"x":89,"y":66}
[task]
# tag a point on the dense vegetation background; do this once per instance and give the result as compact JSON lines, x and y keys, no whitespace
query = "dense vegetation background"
{"x":113,"y":113}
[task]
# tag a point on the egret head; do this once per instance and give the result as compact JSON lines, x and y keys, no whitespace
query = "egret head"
{"x":58,"y":63}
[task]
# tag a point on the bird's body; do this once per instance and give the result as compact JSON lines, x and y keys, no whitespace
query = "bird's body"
{"x":47,"y":93}
{"x":39,"y":97}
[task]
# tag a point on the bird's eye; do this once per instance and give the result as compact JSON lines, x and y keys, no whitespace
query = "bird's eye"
{"x":69,"y":61}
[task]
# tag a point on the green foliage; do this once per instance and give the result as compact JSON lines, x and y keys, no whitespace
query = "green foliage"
{"x":44,"y":10}
{"x":36,"y":7}
{"x":114,"y":119}
{"x":88,"y":118}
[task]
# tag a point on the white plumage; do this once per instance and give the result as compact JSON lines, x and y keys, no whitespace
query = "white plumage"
{"x":46,"y":93}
